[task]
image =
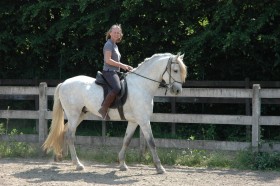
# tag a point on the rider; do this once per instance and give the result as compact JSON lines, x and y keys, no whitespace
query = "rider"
{"x":111,"y":66}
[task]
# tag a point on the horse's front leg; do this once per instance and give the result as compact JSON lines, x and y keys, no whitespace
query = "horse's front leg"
{"x":127,"y":139}
{"x":147,"y":131}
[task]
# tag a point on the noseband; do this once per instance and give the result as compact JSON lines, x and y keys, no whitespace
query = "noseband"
{"x":163,"y":83}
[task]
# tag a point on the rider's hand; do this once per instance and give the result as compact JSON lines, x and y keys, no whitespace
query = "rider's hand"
{"x":126,"y":67}
{"x":129,"y":68}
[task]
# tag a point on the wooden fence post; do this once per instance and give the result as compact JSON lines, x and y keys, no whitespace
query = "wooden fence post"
{"x":256,"y":112}
{"x":36,"y":98}
{"x":248,"y":109}
{"x":173,"y":110}
{"x":103,"y":132}
{"x":43,"y":124}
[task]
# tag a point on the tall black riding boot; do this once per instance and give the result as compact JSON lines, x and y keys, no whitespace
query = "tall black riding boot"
{"x":106,"y":104}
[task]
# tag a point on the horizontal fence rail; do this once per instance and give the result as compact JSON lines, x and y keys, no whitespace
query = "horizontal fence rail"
{"x":255,"y":94}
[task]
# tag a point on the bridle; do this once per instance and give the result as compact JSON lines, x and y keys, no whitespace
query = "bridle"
{"x":163,"y":83}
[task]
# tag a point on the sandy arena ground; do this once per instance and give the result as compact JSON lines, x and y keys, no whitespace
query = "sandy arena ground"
{"x":46,"y":172}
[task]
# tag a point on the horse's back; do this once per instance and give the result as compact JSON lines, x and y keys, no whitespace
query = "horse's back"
{"x":77,"y":85}
{"x":82,"y":79}
{"x":78,"y":89}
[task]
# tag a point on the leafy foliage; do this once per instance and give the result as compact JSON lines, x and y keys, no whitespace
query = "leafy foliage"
{"x":51,"y":39}
{"x":238,"y":41}
{"x":12,"y":148}
{"x":222,"y":40}
{"x":258,"y":160}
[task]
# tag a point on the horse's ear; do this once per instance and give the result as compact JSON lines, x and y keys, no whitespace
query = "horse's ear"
{"x":178,"y":55}
{"x":182,"y":56}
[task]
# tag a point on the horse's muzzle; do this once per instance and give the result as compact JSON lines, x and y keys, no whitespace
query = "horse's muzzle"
{"x":176,"y":88}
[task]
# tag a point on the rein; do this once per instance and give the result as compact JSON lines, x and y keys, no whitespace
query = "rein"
{"x":148,"y":78}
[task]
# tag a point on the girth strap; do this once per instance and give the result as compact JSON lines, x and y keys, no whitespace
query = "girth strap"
{"x":120,"y":109}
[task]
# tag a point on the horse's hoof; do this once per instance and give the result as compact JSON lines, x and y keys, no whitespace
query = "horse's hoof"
{"x":161,"y":170}
{"x":123,"y":168}
{"x":80,"y":167}
{"x":57,"y":158}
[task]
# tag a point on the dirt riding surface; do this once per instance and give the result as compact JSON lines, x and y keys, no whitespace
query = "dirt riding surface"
{"x":46,"y":172}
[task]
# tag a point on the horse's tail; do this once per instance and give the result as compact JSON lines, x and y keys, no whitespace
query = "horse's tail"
{"x":55,"y":138}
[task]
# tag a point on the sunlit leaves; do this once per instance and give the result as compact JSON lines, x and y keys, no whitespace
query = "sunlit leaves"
{"x":222,"y":40}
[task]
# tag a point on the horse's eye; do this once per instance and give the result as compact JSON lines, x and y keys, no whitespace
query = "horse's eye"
{"x":175,"y":71}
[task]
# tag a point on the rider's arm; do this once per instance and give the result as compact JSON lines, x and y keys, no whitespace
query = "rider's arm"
{"x":112,"y":62}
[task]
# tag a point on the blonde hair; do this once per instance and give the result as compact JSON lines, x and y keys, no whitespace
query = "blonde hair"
{"x":110,"y":30}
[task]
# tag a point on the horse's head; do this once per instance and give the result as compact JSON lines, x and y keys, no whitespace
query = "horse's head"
{"x":175,"y":74}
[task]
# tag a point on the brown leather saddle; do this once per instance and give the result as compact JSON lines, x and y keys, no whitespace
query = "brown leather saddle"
{"x":121,"y":97}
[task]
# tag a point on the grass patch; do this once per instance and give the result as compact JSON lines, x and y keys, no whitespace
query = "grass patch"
{"x":12,"y":148}
{"x":192,"y":158}
{"x":18,"y":149}
{"x":184,"y":157}
{"x":258,"y":160}
{"x":100,"y":154}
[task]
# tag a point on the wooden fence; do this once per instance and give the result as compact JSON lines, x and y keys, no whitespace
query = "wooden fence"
{"x":255,"y":120}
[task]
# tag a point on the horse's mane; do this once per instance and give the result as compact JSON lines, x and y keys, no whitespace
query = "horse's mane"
{"x":183,"y":68}
{"x":149,"y":58}
{"x":179,"y":60}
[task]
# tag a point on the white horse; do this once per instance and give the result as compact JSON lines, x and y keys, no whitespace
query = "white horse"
{"x":80,"y":93}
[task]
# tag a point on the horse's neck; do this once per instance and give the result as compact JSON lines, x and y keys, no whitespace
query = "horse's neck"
{"x":152,"y":75}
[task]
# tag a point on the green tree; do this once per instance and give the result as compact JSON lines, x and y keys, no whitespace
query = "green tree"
{"x":53,"y":39}
{"x":222,"y":40}
{"x":238,"y":39}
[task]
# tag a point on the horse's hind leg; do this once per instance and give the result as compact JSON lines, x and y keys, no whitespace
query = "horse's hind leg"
{"x":127,"y":138}
{"x":64,"y":147}
{"x":65,"y":144}
{"x":73,"y":122}
{"x":147,"y":131}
